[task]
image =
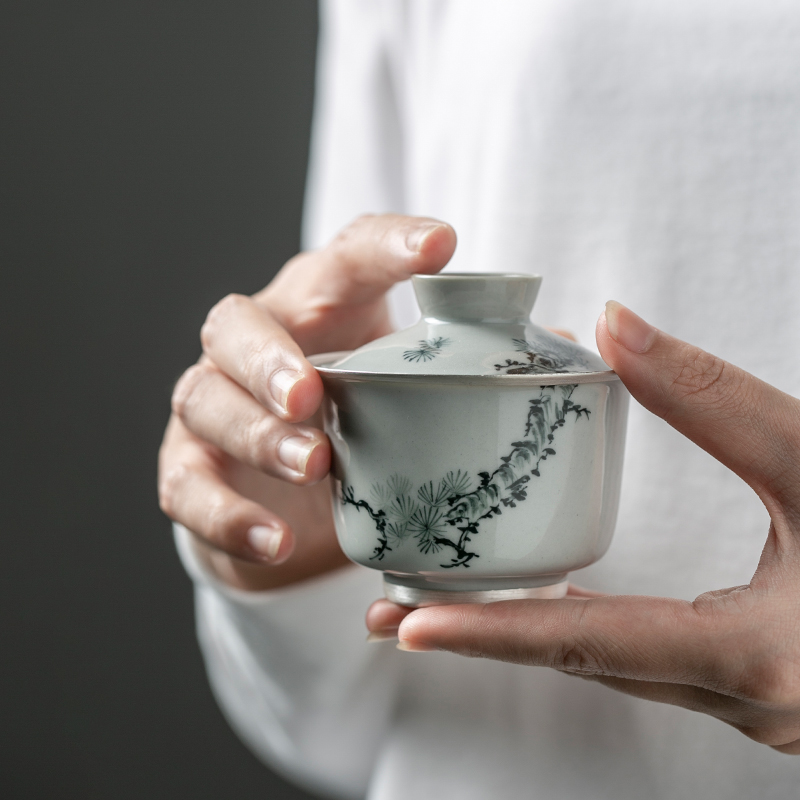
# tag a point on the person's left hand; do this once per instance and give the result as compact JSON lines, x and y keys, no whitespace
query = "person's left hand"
{"x":732,"y":653}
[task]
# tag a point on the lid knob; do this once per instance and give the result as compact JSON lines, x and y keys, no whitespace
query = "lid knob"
{"x":476,"y":296}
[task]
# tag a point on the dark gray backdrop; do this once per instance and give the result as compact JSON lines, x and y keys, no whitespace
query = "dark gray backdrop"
{"x":153,"y":160}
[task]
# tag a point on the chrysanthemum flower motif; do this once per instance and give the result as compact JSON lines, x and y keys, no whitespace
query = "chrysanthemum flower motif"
{"x":427,"y":349}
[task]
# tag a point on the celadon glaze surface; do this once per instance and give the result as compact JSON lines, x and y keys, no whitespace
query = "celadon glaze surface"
{"x":500,"y":472}
{"x":473,"y":325}
{"x":410,"y":463}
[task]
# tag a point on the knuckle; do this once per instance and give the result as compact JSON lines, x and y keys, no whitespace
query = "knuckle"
{"x":767,"y":678}
{"x":575,"y":657}
{"x":580,"y":653}
{"x":169,"y":484}
{"x":220,"y":524}
{"x":258,"y":444}
{"x":752,"y":652}
{"x":774,"y":682}
{"x":344,"y":239}
{"x":297,"y":263}
{"x":186,"y":389}
{"x":699,"y":373}
{"x":360,"y":222}
{"x":255,"y":363}
{"x":229,"y":306}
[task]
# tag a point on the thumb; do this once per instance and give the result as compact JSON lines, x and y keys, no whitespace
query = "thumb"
{"x":748,"y":425}
{"x":643,"y":638}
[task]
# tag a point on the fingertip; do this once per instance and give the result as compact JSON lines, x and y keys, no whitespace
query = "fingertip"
{"x":606,"y":345}
{"x":318,"y":464}
{"x":286,"y":547}
{"x":425,"y":624}
{"x":582,"y":593}
{"x":424,"y":629}
{"x":271,"y":542}
{"x":303,"y":398}
{"x":601,"y":329}
{"x":436,"y":247}
{"x":628,"y":329}
{"x":384,"y":615}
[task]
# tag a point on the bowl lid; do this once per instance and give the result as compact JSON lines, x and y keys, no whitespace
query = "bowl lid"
{"x":474,"y":325}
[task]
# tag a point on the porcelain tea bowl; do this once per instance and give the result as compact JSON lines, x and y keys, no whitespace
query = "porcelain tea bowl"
{"x":476,"y":456}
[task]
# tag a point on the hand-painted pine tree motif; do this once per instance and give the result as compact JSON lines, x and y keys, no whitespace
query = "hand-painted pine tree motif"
{"x":427,"y":349}
{"x":551,"y":358}
{"x":444,"y":516}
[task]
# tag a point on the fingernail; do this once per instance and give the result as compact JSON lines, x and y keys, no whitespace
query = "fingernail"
{"x":281,"y":384}
{"x":629,"y":329}
{"x":265,"y":540}
{"x":416,"y":238}
{"x":415,"y":647}
{"x":384,"y":635}
{"x":295,"y":451}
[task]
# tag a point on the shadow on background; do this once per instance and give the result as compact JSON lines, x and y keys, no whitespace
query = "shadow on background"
{"x":154,"y":161}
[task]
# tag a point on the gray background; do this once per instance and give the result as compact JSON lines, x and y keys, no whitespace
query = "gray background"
{"x":153,"y":160}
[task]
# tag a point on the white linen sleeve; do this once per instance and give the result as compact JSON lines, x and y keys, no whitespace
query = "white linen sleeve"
{"x":293,"y":674}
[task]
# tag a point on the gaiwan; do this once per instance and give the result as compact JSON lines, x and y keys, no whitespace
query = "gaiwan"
{"x":476,"y":456}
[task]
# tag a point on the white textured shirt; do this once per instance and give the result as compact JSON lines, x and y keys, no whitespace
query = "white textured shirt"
{"x":643,"y":151}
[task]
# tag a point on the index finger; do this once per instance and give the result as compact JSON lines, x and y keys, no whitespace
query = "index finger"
{"x":355,"y":270}
{"x":751,"y":427}
{"x":320,"y":301}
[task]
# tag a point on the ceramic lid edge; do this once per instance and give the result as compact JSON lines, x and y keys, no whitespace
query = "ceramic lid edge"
{"x":322,"y":361}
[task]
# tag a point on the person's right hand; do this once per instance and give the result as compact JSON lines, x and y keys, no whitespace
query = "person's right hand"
{"x":237,"y":466}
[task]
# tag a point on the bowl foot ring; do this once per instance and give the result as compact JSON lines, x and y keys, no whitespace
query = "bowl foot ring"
{"x":418,"y":598}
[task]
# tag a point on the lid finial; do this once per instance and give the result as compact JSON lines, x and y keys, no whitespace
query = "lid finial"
{"x":476,"y":296}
